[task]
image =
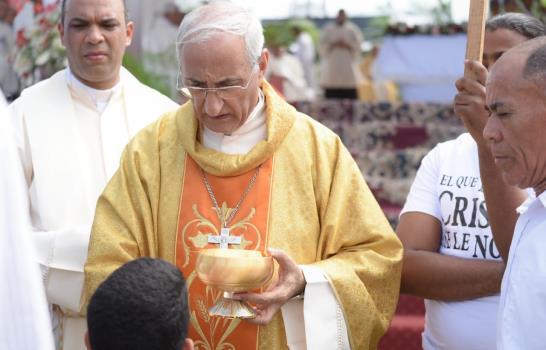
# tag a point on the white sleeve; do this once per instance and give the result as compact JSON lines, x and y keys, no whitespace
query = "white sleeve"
{"x":62,"y":253}
{"x":423,"y":195}
{"x":316,"y":321}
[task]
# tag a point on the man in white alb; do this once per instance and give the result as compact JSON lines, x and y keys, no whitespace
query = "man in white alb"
{"x":70,"y":132}
{"x":340,"y":43}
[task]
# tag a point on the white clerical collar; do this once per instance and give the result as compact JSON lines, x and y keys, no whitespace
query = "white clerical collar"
{"x":245,"y":137}
{"x":99,"y":98}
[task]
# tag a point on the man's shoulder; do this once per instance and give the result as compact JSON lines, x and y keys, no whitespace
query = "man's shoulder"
{"x":463,"y":144}
{"x":305,"y":128}
{"x":352,"y":25}
{"x":44,"y":91}
{"x":330,"y":26}
{"x":46,"y":84}
{"x":306,"y":122}
{"x":459,"y":154}
{"x":161,"y":131}
{"x":144,"y":89}
{"x":306,"y":37}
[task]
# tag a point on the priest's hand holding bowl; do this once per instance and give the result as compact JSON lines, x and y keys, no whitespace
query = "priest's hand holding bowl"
{"x":290,"y":282}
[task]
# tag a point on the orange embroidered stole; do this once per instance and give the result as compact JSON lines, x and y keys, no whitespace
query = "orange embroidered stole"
{"x":197,"y":220}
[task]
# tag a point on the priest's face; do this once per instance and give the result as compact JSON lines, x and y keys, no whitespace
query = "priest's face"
{"x":95,"y":34}
{"x":219,"y":62}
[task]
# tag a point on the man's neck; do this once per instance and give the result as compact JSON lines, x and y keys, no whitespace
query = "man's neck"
{"x":95,"y":87}
{"x":99,"y":97}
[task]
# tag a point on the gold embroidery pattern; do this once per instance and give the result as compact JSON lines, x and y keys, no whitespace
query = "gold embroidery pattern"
{"x":196,"y":233}
{"x":216,"y":325}
{"x":205,"y":228}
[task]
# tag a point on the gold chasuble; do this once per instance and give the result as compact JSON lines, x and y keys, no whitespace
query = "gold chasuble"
{"x":309,"y":199}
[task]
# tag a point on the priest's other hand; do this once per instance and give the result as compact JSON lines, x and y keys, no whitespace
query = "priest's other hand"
{"x":469,"y":103}
{"x":291,"y":282}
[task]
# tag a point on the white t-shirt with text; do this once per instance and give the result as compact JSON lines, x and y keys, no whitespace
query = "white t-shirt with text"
{"x":448,"y":187}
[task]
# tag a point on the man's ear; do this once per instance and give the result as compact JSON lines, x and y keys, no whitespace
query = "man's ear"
{"x":86,"y":340}
{"x":129,"y":31}
{"x":263,"y":62}
{"x":188,"y":344}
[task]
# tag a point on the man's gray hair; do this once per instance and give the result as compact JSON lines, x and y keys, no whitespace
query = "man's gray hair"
{"x":221,"y":17}
{"x":535,"y":65}
{"x":523,"y":24}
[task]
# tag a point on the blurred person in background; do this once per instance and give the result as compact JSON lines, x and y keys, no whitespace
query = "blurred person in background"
{"x":340,"y":43}
{"x":286,"y":74}
{"x":9,"y":82}
{"x":304,"y":49}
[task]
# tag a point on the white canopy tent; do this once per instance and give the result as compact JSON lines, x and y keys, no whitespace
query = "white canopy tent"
{"x":425,"y":67}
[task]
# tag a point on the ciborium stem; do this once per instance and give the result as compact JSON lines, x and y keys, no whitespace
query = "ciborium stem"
{"x":228,"y":307}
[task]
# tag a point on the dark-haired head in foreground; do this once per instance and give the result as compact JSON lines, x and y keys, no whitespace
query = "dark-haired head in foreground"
{"x":142,"y":305}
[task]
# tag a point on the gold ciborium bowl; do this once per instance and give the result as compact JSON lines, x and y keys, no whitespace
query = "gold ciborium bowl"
{"x":232,"y":271}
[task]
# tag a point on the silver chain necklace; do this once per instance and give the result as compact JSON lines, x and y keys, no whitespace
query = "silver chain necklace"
{"x":224,"y":223}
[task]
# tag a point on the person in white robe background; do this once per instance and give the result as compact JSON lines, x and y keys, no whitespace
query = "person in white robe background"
{"x":9,"y":82}
{"x":340,"y":73}
{"x":158,"y":45}
{"x":286,"y":74}
{"x":24,"y":320}
{"x":24,"y":17}
{"x":304,"y":49}
{"x":70,"y":131}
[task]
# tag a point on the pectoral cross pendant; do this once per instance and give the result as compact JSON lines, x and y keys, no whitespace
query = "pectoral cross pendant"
{"x":224,"y":239}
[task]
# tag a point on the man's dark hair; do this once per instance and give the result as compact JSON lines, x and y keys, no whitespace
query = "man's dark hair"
{"x":523,"y":24}
{"x":63,"y":11}
{"x":142,"y":305}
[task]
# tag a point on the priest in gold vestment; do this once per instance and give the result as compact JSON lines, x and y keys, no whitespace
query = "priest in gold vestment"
{"x":237,"y":161}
